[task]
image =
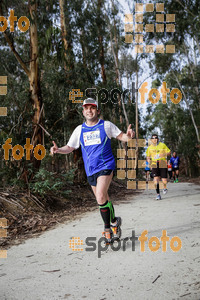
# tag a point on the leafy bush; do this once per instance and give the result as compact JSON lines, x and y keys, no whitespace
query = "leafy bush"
{"x":45,"y":181}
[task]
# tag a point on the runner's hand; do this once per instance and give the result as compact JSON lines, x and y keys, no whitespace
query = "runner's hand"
{"x":162,"y":154}
{"x":130,"y":133}
{"x":54,"y":149}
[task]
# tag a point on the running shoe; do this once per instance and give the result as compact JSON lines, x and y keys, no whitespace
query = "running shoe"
{"x":158,"y":197}
{"x":176,"y":179}
{"x":164,"y":191}
{"x":108,"y":234}
{"x":116,"y":229}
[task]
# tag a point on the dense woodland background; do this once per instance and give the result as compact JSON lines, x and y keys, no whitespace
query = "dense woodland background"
{"x":79,"y":45}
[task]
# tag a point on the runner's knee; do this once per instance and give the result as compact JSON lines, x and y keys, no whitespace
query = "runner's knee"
{"x":101,"y":197}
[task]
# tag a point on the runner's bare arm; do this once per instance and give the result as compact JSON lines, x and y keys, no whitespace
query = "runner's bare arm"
{"x":64,"y":150}
{"x":164,"y":154}
{"x":149,"y":159}
{"x":125,"y":137}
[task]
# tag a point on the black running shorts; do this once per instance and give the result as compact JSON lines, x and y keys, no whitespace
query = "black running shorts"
{"x":175,"y":169}
{"x":93,"y":178}
{"x":159,"y":172}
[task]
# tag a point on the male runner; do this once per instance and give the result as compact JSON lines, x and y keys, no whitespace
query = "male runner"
{"x":157,"y":154}
{"x":147,"y":170}
{"x":169,"y":167}
{"x":175,"y":161}
{"x":94,"y":137}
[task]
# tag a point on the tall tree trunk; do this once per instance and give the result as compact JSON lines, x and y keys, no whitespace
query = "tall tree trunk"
{"x":116,"y":61}
{"x":63,"y":25}
{"x":185,"y":165}
{"x":101,"y":59}
{"x":101,"y":47}
{"x":69,"y":66}
{"x":66,"y":38}
{"x":188,"y":106}
{"x":82,"y":36}
{"x":63,"y":31}
{"x":35,"y":92}
{"x":192,"y":72}
{"x":189,"y":168}
{"x":84,"y":53}
{"x":32,"y":73}
{"x":118,"y":77}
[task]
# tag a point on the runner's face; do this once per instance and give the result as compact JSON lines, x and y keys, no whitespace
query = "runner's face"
{"x":90,"y":112}
{"x":154,"y":140}
{"x":174,"y":154}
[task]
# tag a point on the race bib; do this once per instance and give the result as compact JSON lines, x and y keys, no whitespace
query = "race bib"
{"x":92,"y":138}
{"x":156,"y":156}
{"x":176,"y":163}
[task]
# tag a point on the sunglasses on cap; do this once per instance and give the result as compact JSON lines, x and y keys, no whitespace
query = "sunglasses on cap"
{"x":154,"y":138}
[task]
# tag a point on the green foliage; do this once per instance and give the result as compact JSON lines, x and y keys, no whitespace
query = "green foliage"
{"x":46,"y":182}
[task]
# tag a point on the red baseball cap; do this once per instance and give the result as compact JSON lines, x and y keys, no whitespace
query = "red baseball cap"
{"x":90,"y":101}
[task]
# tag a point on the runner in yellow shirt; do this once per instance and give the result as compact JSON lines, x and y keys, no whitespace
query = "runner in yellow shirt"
{"x":157,"y":154}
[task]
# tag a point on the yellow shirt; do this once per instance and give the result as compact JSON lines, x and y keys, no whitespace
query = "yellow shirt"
{"x":154,"y":152}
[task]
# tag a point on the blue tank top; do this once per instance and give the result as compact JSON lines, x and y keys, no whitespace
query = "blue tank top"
{"x":96,"y":148}
{"x":147,"y":166}
{"x":175,"y":161}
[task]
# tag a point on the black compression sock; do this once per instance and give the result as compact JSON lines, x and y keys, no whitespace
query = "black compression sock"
{"x":112,"y":213}
{"x":105,"y":214}
{"x":157,"y":189}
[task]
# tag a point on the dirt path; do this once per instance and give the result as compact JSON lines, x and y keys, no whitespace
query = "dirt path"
{"x":46,"y":268}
